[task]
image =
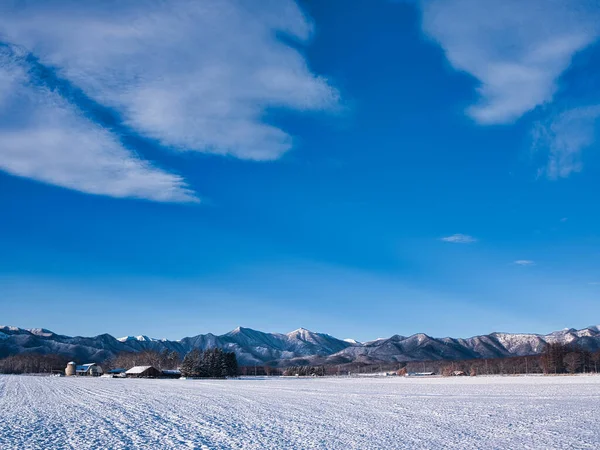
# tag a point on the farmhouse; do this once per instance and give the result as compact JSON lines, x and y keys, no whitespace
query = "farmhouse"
{"x":143,"y":372}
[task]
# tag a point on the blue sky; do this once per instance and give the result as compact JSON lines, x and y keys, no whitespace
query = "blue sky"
{"x":176,"y":168}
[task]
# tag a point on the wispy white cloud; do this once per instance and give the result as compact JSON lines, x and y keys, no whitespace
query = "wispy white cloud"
{"x":516,"y":49}
{"x":524,"y":262}
{"x":44,"y":137}
{"x":193,"y":74}
{"x":563,"y":137}
{"x":459,"y":239}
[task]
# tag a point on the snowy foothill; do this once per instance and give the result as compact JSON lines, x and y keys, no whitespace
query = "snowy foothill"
{"x":300,"y":413}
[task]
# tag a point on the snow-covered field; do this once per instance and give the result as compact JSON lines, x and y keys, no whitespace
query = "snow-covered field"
{"x":384,"y":413}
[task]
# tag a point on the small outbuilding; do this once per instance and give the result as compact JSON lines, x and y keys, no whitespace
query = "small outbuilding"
{"x":174,"y":373}
{"x":143,"y":372}
{"x":116,"y":373}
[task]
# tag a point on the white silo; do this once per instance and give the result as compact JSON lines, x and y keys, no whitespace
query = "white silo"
{"x":71,"y":369}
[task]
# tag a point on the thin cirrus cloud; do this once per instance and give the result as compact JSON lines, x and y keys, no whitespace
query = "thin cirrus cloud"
{"x":516,"y":49}
{"x":459,"y":239}
{"x":524,"y":262}
{"x":191,"y":75}
{"x":564,"y":137}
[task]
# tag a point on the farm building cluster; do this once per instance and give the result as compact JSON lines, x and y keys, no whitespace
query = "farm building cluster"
{"x":94,"y":370}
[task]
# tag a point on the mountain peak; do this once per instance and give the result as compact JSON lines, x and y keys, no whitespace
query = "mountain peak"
{"x":306,"y":335}
{"x":41,"y":332}
{"x":301,"y":331}
{"x":140,"y":338}
{"x":238,"y":330}
{"x":9,"y":328}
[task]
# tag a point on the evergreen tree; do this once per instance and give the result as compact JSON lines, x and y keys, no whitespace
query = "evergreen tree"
{"x":211,"y":363}
{"x":191,"y":364}
{"x":231,"y":364}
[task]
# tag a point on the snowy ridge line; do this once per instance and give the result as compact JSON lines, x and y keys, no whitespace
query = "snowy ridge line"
{"x":300,"y":346}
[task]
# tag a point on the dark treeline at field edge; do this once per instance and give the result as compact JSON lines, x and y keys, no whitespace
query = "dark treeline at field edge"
{"x":555,"y":359}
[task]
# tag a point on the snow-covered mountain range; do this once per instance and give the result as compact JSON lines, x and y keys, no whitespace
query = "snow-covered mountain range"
{"x":297,"y":347}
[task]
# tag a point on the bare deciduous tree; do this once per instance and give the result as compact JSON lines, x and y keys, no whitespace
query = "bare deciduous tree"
{"x":573,"y":361}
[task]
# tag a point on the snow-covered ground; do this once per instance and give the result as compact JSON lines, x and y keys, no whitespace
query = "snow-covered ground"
{"x":281,"y":413}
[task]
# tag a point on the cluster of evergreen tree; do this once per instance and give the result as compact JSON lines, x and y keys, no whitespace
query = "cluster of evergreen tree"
{"x":211,"y":363}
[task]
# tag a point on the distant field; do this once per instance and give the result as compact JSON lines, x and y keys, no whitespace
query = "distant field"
{"x":494,"y":412}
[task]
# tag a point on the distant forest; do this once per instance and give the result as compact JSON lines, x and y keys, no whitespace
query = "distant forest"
{"x":555,"y":359}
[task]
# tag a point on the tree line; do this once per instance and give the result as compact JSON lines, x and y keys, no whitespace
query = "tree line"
{"x":33,"y":363}
{"x":559,"y":358}
{"x":555,"y":359}
{"x":165,"y":360}
{"x":211,"y":363}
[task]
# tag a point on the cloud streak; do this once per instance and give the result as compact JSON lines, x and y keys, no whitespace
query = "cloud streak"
{"x":42,"y":136}
{"x":564,"y":137}
{"x":524,"y":262}
{"x":516,"y":49}
{"x":193,"y":75}
{"x":459,"y":239}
